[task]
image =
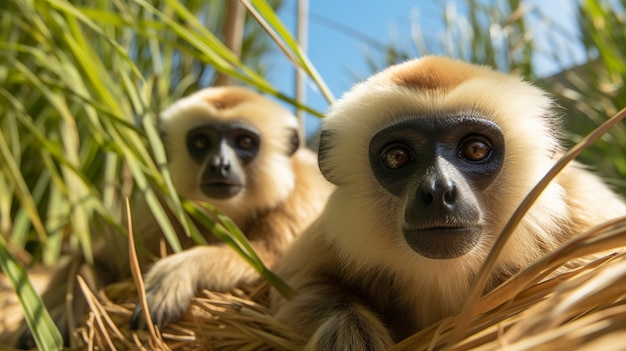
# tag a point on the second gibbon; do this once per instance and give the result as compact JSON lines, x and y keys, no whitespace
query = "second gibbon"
{"x":227,"y":146}
{"x":241,"y":152}
{"x":430,"y":158}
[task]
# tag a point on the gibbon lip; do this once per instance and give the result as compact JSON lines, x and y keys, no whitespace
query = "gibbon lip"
{"x":220,"y":189}
{"x":442,"y":242}
{"x":443,"y":233}
{"x":443,"y":229}
{"x":441,"y":226}
{"x":219,"y":183}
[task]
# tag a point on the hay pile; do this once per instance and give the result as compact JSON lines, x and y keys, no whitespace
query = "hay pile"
{"x":573,"y":298}
{"x":238,"y":320}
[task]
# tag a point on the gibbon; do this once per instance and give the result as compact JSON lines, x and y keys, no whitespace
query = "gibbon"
{"x":227,"y":146}
{"x":239,"y":151}
{"x":430,"y":158}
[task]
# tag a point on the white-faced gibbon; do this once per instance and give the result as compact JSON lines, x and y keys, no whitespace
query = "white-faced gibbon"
{"x":239,"y":151}
{"x":430,"y":158}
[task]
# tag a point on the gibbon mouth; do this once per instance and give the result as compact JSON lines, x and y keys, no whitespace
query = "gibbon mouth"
{"x":442,"y":242}
{"x":220,"y":189}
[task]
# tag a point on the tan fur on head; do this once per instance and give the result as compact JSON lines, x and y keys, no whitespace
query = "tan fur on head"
{"x":358,"y":245}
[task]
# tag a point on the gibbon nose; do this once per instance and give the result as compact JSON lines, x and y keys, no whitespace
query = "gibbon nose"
{"x":435,"y":191}
{"x":220,"y":165}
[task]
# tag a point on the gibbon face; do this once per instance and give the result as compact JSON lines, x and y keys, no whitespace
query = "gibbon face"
{"x":223,"y":150}
{"x":231,"y":147}
{"x":437,"y":153}
{"x":437,"y":167}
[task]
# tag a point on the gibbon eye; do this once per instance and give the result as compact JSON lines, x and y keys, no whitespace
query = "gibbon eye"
{"x":396,"y":156}
{"x":200,"y":142}
{"x":475,"y":150}
{"x":245,"y":142}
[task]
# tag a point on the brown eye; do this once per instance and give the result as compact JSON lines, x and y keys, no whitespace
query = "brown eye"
{"x":245,"y":142}
{"x":475,"y":150}
{"x":396,"y":157}
{"x":200,"y":142}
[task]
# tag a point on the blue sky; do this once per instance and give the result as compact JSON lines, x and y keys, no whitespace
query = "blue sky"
{"x":339,"y":53}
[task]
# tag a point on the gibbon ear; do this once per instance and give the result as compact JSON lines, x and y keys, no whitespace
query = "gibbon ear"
{"x":323,"y":156}
{"x":294,"y":142}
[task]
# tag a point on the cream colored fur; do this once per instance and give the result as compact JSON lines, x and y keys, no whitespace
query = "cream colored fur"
{"x":354,"y":261}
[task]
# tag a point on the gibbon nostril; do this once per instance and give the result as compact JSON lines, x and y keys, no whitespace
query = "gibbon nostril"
{"x":449,"y":196}
{"x":427,"y":197}
{"x":433,"y":192}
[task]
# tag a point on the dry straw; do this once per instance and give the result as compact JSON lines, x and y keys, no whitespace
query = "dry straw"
{"x":238,"y":320}
{"x":572,"y":298}
{"x":216,"y":321}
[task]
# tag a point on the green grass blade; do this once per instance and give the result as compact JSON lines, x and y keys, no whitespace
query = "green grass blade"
{"x":227,"y":231}
{"x":44,"y":331}
{"x":158,"y":151}
{"x":279,"y":32}
{"x":12,"y":171}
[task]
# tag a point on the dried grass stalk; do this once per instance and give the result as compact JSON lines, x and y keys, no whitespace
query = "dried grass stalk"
{"x":238,"y":320}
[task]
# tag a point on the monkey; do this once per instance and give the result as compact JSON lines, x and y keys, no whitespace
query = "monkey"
{"x":429,"y":159}
{"x":241,"y":152}
{"x":227,"y":146}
